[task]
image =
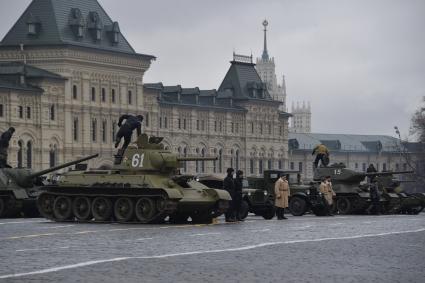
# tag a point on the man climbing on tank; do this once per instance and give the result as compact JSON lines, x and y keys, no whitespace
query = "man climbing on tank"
{"x":322,"y":154}
{"x":126,"y":130}
{"x":4,"y":145}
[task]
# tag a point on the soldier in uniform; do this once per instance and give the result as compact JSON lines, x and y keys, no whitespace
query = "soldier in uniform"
{"x":374,"y":197}
{"x":4,"y":145}
{"x":328,"y":193}
{"x":126,"y":129}
{"x":322,"y":153}
{"x":282,"y":192}
{"x":238,"y":194}
{"x":229,"y":186}
{"x":371,"y":169}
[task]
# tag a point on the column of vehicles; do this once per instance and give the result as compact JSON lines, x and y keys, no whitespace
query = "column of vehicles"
{"x":144,"y":186}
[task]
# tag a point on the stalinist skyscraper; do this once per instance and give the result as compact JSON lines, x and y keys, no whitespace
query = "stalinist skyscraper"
{"x":266,"y":69}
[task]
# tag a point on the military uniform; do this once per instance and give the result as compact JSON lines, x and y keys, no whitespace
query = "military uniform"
{"x":328,"y":193}
{"x":374,"y":197}
{"x":229,"y":186}
{"x":238,"y":194}
{"x":126,"y":130}
{"x":282,"y":193}
{"x":322,"y":155}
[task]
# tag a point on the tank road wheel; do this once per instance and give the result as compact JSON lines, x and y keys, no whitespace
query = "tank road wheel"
{"x":145,"y":210}
{"x":101,"y":209}
{"x":297,"y":206}
{"x":81,"y":207}
{"x":123,"y":209}
{"x":343,"y":205}
{"x":62,"y":208}
{"x":2,"y":207}
{"x":160,"y":204}
{"x":45,"y":205}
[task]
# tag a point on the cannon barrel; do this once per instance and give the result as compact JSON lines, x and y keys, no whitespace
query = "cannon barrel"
{"x":195,"y":158}
{"x":389,"y":173}
{"x":42,"y":172}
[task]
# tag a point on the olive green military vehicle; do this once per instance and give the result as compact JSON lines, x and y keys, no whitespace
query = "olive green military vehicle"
{"x":352,"y":193}
{"x":303,"y":198}
{"x":143,"y":187}
{"x":19,"y":188}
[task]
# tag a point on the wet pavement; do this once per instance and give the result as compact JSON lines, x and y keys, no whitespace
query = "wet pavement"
{"x":388,"y":248}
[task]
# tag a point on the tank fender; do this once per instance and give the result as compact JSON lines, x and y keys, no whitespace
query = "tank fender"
{"x":173,"y":193}
{"x":221,"y":194}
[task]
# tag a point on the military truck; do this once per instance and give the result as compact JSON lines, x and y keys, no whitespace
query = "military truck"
{"x":303,"y":198}
{"x":19,"y":188}
{"x":143,"y":186}
{"x":352,"y":191}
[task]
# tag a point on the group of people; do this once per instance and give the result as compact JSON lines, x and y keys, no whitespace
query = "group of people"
{"x":234,"y":187}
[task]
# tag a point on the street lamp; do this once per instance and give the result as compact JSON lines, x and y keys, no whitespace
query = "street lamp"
{"x":397,"y":131}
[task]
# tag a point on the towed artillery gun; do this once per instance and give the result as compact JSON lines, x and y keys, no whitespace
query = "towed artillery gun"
{"x":352,"y":196}
{"x":143,"y":186}
{"x":19,"y":188}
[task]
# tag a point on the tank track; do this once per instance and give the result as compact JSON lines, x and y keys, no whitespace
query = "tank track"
{"x":9,"y":206}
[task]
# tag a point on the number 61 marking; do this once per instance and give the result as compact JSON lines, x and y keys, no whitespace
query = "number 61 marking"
{"x":137,"y":160}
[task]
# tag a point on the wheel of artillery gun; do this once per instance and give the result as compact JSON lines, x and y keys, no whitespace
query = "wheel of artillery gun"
{"x":297,"y":206}
{"x":102,"y":209}
{"x":343,"y":205}
{"x":123,"y":209}
{"x":81,"y":207}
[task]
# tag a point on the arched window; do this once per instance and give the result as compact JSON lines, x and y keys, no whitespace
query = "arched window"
{"x":52,"y":112}
{"x":103,"y":94}
{"x":75,"y":129}
{"x":74,"y":92}
{"x":260,"y":166}
{"x":220,"y":161}
{"x":251,"y":166}
{"x":203,"y":162}
{"x":237,"y":159}
{"x":20,"y":153}
{"x":94,"y":130}
{"x":215,"y":161}
{"x":113,"y":95}
{"x":104,"y":124}
{"x":197,"y":161}
{"x":52,"y":155}
{"x":29,"y":154}
{"x":93,"y":94}
{"x":130,"y":97}
{"x":185,"y":163}
{"x":269,"y":164}
{"x":231,"y":158}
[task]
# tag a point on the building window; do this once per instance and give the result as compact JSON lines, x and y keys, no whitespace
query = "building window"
{"x":232,"y":127}
{"x":93,"y":94}
{"x":404,"y":166}
{"x":270,"y":129}
{"x":231,"y":158}
{"x":94,"y":130}
{"x":160,"y":122}
{"x":197,"y":125}
{"x":28,"y":112}
{"x":397,"y":167}
{"x":21,"y":112}
{"x":251,"y":166}
{"x":221,"y":126}
{"x":215,"y":126}
{"x":197,"y":162}
{"x":75,"y":129}
{"x":215,"y":161}
{"x":280,"y":130}
{"x":103,"y":95}
{"x":384,"y":166}
{"x":279,"y":164}
{"x":52,"y":112}
{"x":260,"y":166}
{"x":185,"y":163}
{"x":202,"y":125}
{"x":52,"y":156}
{"x":291,"y":165}
{"x":130,"y":97}
{"x":104,"y":131}
{"x":237,"y":161}
{"x":74,"y":92}
{"x":1,"y":110}
{"x":113,"y":95}
{"x":114,"y":129}
{"x":377,"y":167}
{"x":165,"y":122}
{"x":300,"y":167}
{"x":203,"y":162}
{"x":356,"y":165}
{"x":220,"y":161}
{"x":20,"y":153}
{"x":252,"y":127}
{"x":237,"y":127}
{"x":179,"y":123}
{"x":29,"y":154}
{"x":184,"y":124}
{"x":364,"y":167}
{"x":269,"y":164}
{"x":261,"y":128}
{"x":147,"y":119}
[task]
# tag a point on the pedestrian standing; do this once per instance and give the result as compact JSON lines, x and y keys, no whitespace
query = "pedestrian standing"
{"x":282,"y":193}
{"x":328,"y":193}
{"x":238,"y":195}
{"x":229,"y":186}
{"x":374,"y":198}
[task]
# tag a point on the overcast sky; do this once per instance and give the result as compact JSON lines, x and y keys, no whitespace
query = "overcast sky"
{"x":360,"y":63}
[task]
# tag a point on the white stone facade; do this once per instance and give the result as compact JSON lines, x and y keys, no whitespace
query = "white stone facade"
{"x":301,"y":118}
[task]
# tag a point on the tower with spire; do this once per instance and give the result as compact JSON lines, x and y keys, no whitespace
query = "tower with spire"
{"x":301,"y":117}
{"x":266,"y":69}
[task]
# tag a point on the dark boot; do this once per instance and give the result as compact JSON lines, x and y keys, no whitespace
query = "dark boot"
{"x":283,"y":213}
{"x":278,"y":213}
{"x":330,"y":210}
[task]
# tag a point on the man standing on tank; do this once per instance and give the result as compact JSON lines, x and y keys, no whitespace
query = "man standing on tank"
{"x":4,"y":145}
{"x":322,"y":154}
{"x":229,"y":186}
{"x":238,"y":194}
{"x":126,"y":129}
{"x":282,"y":192}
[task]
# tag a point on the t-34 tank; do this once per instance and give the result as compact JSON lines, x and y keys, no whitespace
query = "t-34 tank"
{"x":19,"y":188}
{"x":352,"y":196}
{"x":143,"y":186}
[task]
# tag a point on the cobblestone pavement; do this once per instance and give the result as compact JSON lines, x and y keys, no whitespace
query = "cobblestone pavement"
{"x":387,"y":248}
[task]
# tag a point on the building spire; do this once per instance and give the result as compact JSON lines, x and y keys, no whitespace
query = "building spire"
{"x":265,"y":55}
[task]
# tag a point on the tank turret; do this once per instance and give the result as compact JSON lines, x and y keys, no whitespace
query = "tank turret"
{"x":142,"y":186}
{"x":18,"y":187}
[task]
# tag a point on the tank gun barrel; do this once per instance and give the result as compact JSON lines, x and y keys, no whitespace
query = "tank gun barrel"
{"x":195,"y":158}
{"x":55,"y":168}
